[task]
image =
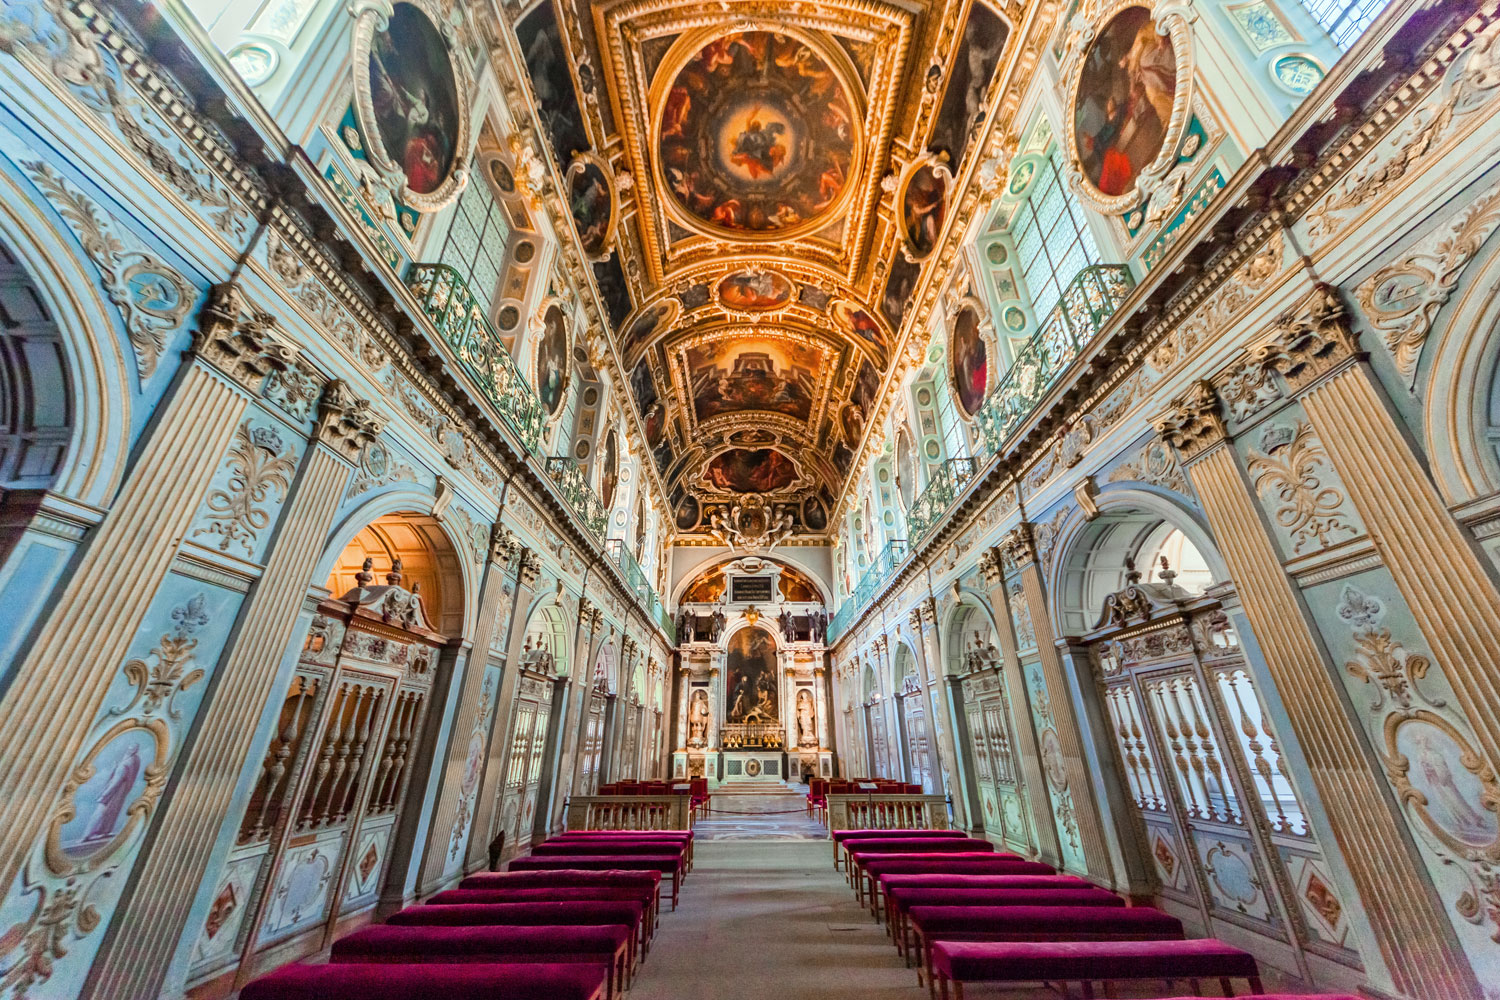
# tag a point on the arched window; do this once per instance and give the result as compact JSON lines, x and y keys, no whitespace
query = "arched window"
{"x":1051,"y":235}
{"x":1345,"y":20}
{"x":477,"y":237}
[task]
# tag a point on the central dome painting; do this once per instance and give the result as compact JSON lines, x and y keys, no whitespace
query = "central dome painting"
{"x":757,"y":134}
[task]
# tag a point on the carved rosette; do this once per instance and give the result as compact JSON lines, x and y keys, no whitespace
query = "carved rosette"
{"x":1195,"y":422}
{"x":346,"y":423}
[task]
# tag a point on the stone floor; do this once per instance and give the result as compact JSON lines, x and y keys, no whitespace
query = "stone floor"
{"x":775,"y":813}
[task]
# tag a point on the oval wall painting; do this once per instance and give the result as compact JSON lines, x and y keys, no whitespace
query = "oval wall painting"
{"x":609,"y":475}
{"x":552,"y":360}
{"x":762,"y":470}
{"x":415,"y":98}
{"x":687,"y":514}
{"x":814,"y":516}
{"x":755,"y":290}
{"x":971,"y":369}
{"x":1127,"y":87}
{"x":592,"y":202}
{"x":923,"y":206}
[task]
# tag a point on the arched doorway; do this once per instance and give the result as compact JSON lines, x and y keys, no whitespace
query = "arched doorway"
{"x":875,"y":734}
{"x":1222,"y":823}
{"x":915,"y":744}
{"x":322,"y":838}
{"x":544,"y":664}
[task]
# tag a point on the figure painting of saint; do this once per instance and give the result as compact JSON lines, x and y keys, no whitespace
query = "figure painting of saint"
{"x":609,"y":475}
{"x":972,"y":66}
{"x":552,"y":360}
{"x":1126,"y":89}
{"x":102,"y":804}
{"x":756,"y":289}
{"x":1454,"y":794}
{"x":757,"y":134}
{"x":922,"y":209}
{"x":861,"y":324}
{"x":592,"y":205}
{"x":775,"y":375}
{"x":547,"y":65}
{"x":752,"y":677}
{"x":415,"y":97}
{"x":763,"y":470}
{"x":970,"y":359}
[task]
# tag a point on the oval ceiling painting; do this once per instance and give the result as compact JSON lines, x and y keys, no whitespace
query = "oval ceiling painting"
{"x":1126,"y":91}
{"x":758,"y":134}
{"x":763,"y":470}
{"x":923,"y":205}
{"x":592,"y":201}
{"x":413,"y":101}
{"x":970,"y":361}
{"x":755,"y":290}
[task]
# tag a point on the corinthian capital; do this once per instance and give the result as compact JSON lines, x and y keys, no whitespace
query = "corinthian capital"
{"x":346,"y":423}
{"x":237,"y":340}
{"x":503,"y":544}
{"x":991,"y":567}
{"x":1195,"y":422}
{"x":531,"y":567}
{"x":1311,"y":339}
{"x":1020,"y":544}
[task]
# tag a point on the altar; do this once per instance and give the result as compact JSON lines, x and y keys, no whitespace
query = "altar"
{"x":752,"y":767}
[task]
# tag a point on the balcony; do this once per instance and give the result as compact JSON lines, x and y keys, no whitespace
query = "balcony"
{"x":460,"y":320}
{"x":636,"y":579}
{"x":1087,"y":303}
{"x":942,"y":489}
{"x":893,"y":555}
{"x":575,"y":488}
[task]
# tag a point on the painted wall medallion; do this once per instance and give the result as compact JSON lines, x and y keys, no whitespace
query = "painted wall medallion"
{"x":1126,"y":102}
{"x":763,"y":470}
{"x":970,"y":361}
{"x":972,"y":66}
{"x":687,"y":513}
{"x":656,"y":424}
{"x":1297,"y":73}
{"x":852,"y":423}
{"x":758,"y":133}
{"x":924,"y":205}
{"x":814,"y":515}
{"x":503,"y":176}
{"x":653,"y":318}
{"x":411,"y":98}
{"x":900,"y":288}
{"x":593,"y":204}
{"x":752,"y":681}
{"x":1445,"y":781}
{"x":755,"y":290}
{"x":609,"y":475}
{"x":728,"y":376}
{"x":552,"y":360}
{"x":111,"y":790}
{"x":866,"y":390}
{"x":855,"y":321}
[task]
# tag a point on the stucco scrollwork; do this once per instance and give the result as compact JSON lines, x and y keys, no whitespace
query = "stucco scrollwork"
{"x":1288,"y":473}
{"x":257,"y":466}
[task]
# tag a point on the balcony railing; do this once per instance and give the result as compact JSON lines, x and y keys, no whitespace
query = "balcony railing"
{"x":460,"y":319}
{"x":580,"y":495}
{"x":874,"y":577}
{"x":636,"y":579}
{"x":1086,"y":305}
{"x":942,"y":489}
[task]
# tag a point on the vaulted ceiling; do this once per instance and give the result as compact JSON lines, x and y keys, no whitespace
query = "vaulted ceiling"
{"x":761,"y":183}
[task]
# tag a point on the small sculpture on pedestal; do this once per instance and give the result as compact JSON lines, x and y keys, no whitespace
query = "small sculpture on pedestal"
{"x":806,"y":720}
{"x":698,"y":717}
{"x":718,"y":625}
{"x":788,"y":631}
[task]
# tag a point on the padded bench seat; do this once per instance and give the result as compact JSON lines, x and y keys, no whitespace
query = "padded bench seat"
{"x":1088,"y":962}
{"x":560,"y":877}
{"x":933,"y":924}
{"x":603,"y":943}
{"x":869,"y":869}
{"x":952,"y":880}
{"x":839,"y":836}
{"x":684,"y":837}
{"x":604,"y":861}
{"x":450,"y":981}
{"x":900,"y":899}
{"x":559,"y":894}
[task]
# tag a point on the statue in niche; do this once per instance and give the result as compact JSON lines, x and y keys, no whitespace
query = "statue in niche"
{"x":788,"y":630}
{"x":698,"y":716}
{"x":717,"y":625}
{"x":806,"y":720}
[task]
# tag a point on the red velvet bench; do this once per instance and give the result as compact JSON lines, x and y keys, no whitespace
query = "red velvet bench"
{"x":450,"y":981}
{"x":950,"y":880}
{"x":684,"y":837}
{"x":857,"y":852}
{"x":582,"y":913}
{"x":560,"y":894}
{"x":604,"y":861}
{"x":839,"y":836}
{"x":560,"y":877}
{"x":900,"y":899}
{"x":603,"y":943}
{"x":561,"y":847}
{"x":934,"y":924}
{"x":1088,"y":962}
{"x":866,"y":869}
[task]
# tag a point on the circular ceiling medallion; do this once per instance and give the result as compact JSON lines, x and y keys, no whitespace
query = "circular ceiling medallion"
{"x":757,"y":132}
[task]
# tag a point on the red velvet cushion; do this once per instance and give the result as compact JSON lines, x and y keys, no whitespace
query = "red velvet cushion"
{"x":1039,"y":923}
{"x":631,"y":848}
{"x":839,"y":836}
{"x":460,"y":981}
{"x":395,"y":943}
{"x":956,"y":864}
{"x":625,"y":862}
{"x":529,"y":914}
{"x":607,"y":836}
{"x":1287,"y":996}
{"x":907,"y":845}
{"x":546,"y":894}
{"x":561,"y":876}
{"x":906,"y":896}
{"x":949,"y":880}
{"x":1042,"y":960}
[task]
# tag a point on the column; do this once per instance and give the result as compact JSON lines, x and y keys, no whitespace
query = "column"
{"x":95,"y":614}
{"x":1028,"y":753}
{"x":177,"y":854}
{"x":820,"y":705}
{"x":716,"y":697}
{"x":570,"y":760}
{"x":1402,"y":909}
{"x":504,"y":547}
{"x":446,"y":842}
{"x":1062,"y":758}
{"x":684,"y":690}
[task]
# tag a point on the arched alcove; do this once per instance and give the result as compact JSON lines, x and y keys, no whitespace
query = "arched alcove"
{"x":429,"y":565}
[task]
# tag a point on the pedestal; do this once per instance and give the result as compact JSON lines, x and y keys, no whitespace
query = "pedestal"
{"x":752,"y":767}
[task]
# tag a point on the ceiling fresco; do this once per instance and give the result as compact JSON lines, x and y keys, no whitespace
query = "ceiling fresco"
{"x":757,"y":184}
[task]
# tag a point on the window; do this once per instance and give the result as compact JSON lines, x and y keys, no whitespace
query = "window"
{"x":1345,"y":20}
{"x":954,"y":443}
{"x":475,"y":246}
{"x":1053,"y":241}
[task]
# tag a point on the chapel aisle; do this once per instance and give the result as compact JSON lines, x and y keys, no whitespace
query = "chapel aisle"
{"x":770,"y":919}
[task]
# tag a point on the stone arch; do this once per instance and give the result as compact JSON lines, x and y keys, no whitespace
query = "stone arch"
{"x":1461,"y":389}
{"x":429,"y":564}
{"x":548,"y":636}
{"x":1090,"y":554}
{"x":968,"y":615}
{"x":691,"y":575}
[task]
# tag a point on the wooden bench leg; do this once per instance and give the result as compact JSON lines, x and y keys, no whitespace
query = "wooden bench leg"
{"x":943,"y":988}
{"x":1255,"y":986}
